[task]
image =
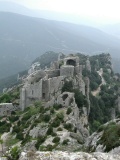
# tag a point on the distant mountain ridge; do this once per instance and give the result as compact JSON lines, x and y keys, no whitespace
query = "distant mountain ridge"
{"x":112,"y":29}
{"x":13,"y":7}
{"x":24,"y":38}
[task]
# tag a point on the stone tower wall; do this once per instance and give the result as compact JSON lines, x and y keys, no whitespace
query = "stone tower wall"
{"x":53,"y":73}
{"x":67,"y":71}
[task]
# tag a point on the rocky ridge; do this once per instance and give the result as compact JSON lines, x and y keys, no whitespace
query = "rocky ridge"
{"x":62,"y":116}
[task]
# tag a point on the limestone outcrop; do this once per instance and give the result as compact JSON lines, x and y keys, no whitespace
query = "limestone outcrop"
{"x":7,"y":108}
{"x":106,"y":139}
{"x":58,"y":155}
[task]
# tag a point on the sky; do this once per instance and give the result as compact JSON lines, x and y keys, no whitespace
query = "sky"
{"x":105,"y":10}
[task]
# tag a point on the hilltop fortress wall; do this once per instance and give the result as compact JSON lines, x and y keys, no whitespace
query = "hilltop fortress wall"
{"x":43,"y":85}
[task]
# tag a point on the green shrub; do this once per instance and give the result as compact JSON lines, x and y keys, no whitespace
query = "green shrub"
{"x":50,"y":131}
{"x":106,"y":77}
{"x":11,"y":141}
{"x":54,"y":134}
{"x":26,"y":139}
{"x":16,"y":129}
{"x":37,"y":104}
{"x":40,"y":140}
{"x":59,"y":129}
{"x":52,"y":110}
{"x":2,"y":123}
{"x":14,"y":118}
{"x":5,"y":98}
{"x":26,"y":117}
{"x":75,"y":130}
{"x":80,"y":99}
{"x":101,"y":128}
{"x":93,"y":85}
{"x":111,"y":137}
{"x":55,"y":123}
{"x":60,"y":116}
{"x":20,"y":136}
{"x":42,"y":148}
{"x":65,"y":142}
{"x":15,"y":153}
{"x":42,"y":109}
{"x":4,"y":127}
{"x":56,"y":140}
{"x":57,"y":106}
{"x":69,"y":110}
{"x":46,"y":117}
{"x":37,"y":120}
{"x":67,"y":87}
{"x":68,"y":126}
{"x":96,"y":124}
{"x":27,"y":109}
{"x":49,"y":147}
{"x":13,"y":113}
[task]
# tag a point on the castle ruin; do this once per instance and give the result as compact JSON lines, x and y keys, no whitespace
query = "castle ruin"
{"x":45,"y":84}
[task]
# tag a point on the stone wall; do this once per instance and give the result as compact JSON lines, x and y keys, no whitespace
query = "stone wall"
{"x":67,"y":71}
{"x":6,"y":109}
{"x":35,"y":77}
{"x":71,"y":60}
{"x":53,"y":73}
{"x":54,"y":65}
{"x":46,"y":84}
{"x":30,"y":93}
{"x":66,"y":99}
{"x":56,"y":84}
{"x":77,"y":70}
{"x":45,"y":90}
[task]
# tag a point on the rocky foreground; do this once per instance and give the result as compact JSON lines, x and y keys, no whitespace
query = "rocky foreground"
{"x":59,"y":155}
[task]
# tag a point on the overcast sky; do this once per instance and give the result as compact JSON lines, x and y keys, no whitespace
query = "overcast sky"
{"x":105,"y":10}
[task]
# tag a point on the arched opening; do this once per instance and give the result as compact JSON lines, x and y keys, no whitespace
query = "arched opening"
{"x":71,"y":62}
{"x":64,"y":97}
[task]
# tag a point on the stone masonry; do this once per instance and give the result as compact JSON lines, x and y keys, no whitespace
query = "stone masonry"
{"x":43,"y":85}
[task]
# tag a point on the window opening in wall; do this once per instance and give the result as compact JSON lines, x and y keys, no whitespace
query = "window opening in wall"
{"x":43,"y":95}
{"x":32,"y":92}
{"x":64,"y":97}
{"x":71,"y":62}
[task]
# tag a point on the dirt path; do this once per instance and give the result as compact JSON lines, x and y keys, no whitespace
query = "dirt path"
{"x":97,"y":91}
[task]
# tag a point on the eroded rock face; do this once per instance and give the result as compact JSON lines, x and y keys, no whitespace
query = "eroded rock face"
{"x":88,"y":65}
{"x":58,"y":155}
{"x":98,"y":142}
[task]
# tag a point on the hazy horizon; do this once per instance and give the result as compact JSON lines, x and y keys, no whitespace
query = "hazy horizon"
{"x":100,"y":12}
